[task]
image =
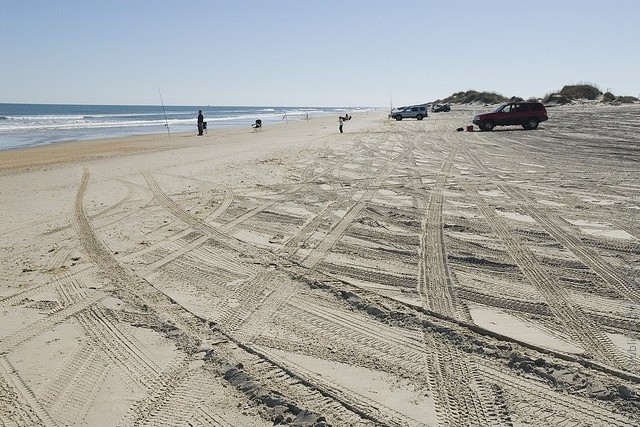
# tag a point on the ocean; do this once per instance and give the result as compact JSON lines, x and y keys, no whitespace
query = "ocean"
{"x":23,"y":125}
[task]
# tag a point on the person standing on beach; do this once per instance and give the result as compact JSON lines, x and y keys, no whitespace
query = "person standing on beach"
{"x":200,"y":123}
{"x":341,"y":122}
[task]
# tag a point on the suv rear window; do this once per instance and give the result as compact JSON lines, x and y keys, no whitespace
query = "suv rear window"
{"x":520,"y":107}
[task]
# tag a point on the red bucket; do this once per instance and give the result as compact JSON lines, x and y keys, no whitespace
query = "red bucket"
{"x":470,"y":128}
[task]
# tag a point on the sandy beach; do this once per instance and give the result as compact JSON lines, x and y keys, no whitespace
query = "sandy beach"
{"x":399,"y":274}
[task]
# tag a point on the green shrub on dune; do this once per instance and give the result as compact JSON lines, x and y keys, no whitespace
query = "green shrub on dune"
{"x":473,"y":97}
{"x":571,"y":93}
{"x":581,"y":91}
{"x":556,"y":98}
{"x":627,"y":99}
{"x":568,"y":94}
{"x":610,"y":98}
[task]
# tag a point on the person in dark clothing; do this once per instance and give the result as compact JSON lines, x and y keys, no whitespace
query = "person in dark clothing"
{"x":200,"y":123}
{"x":341,"y":122}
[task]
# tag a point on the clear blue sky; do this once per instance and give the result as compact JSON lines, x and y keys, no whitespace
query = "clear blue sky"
{"x":311,"y":52}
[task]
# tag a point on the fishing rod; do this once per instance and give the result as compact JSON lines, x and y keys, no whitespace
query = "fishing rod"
{"x":284,"y":110}
{"x":166,"y":122}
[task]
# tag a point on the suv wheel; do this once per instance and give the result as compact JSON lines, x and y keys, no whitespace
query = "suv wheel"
{"x":532,"y":124}
{"x":488,"y":126}
{"x":398,"y":118}
{"x":419,"y":117}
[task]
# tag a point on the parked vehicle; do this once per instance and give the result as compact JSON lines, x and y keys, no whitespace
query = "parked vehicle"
{"x":527,"y":114}
{"x":411,"y":112}
{"x":440,"y":108}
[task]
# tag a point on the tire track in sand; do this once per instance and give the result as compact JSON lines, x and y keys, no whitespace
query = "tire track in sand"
{"x":400,"y":347}
{"x":24,"y":409}
{"x":114,"y":342}
{"x":323,"y":248}
{"x":291,"y":191}
{"x":166,"y":393}
{"x":554,"y":227}
{"x":71,"y":391}
{"x":540,"y":405}
{"x":434,"y":281}
{"x":462,"y":397}
{"x":589,"y":257}
{"x":40,"y":326}
{"x":178,"y":212}
{"x":577,"y":325}
{"x":254,"y":303}
{"x":355,"y":402}
{"x":256,"y":292}
{"x":307,"y":394}
{"x":137,"y":291}
{"x":43,"y":280}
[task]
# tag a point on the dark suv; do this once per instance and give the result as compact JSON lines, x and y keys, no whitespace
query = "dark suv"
{"x":440,"y":108}
{"x":526,"y":114}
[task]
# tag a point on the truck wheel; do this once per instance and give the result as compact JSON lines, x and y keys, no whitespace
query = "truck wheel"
{"x":532,"y":124}
{"x":419,"y":117}
{"x":398,"y":118}
{"x":487,"y":126}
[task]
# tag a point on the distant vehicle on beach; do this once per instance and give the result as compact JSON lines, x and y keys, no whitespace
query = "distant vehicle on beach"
{"x":410,"y":112}
{"x":440,"y":108}
{"x":526,"y":114}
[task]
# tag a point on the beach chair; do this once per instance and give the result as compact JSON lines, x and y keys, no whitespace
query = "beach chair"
{"x":257,"y":126}
{"x":204,"y":128}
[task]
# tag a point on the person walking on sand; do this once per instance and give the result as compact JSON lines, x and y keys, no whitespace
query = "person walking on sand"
{"x":341,"y":122}
{"x":200,"y":123}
